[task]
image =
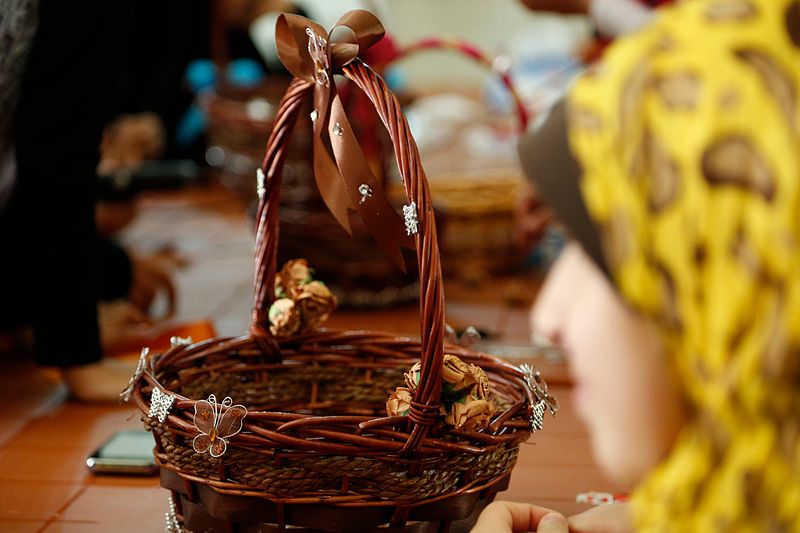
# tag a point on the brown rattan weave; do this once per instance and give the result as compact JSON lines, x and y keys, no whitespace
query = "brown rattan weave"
{"x":317,"y":450}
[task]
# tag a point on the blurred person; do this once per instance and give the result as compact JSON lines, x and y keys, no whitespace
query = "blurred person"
{"x":675,"y":166}
{"x":57,"y":70}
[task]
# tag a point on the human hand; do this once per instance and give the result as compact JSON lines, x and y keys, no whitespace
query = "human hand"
{"x":605,"y":518}
{"x":129,"y":140}
{"x":151,"y":276}
{"x":512,"y":517}
{"x":122,"y":326}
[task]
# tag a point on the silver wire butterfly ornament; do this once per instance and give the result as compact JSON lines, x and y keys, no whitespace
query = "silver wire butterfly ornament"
{"x":541,"y":400}
{"x":216,"y":422}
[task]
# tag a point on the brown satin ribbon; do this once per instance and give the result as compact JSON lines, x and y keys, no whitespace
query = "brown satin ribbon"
{"x":340,"y":167}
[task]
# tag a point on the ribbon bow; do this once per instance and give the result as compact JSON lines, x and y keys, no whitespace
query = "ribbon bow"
{"x":341,"y":171}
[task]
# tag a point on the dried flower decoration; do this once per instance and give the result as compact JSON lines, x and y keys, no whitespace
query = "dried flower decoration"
{"x":316,"y":303}
{"x":294,"y":273}
{"x":303,"y":303}
{"x":284,"y":318}
{"x":465,"y":395}
{"x":216,"y":422}
{"x":399,"y":402}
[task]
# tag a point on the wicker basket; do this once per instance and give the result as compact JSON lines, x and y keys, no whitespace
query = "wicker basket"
{"x":316,"y":450}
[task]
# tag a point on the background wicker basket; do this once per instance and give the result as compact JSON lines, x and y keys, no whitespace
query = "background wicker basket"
{"x":317,"y":450}
{"x":476,"y":200}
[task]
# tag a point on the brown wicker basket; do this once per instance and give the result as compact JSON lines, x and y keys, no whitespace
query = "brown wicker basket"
{"x":316,"y":450}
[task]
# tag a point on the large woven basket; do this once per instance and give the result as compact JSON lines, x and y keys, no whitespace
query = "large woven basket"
{"x":316,"y":450}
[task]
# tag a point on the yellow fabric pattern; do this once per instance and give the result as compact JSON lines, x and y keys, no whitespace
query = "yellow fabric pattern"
{"x":688,"y":135}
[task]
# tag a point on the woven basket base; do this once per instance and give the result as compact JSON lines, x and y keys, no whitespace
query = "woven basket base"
{"x":204,"y":509}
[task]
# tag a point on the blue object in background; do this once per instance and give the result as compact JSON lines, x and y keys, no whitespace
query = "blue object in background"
{"x":245,"y":73}
{"x":202,"y":78}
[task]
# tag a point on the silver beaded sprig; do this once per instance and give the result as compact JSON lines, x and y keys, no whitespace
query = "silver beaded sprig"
{"x":160,"y":404}
{"x":410,"y":218}
{"x":180,"y":341}
{"x":172,"y":524}
{"x":537,"y":416}
{"x":260,"y":189}
{"x":541,"y":400}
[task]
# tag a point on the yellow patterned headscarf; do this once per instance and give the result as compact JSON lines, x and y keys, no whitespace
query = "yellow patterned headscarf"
{"x":688,"y":137}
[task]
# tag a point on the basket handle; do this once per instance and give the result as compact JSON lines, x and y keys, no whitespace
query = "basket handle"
{"x":425,"y":407}
{"x":470,"y":51}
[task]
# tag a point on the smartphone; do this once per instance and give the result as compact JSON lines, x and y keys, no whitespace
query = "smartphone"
{"x":128,"y":451}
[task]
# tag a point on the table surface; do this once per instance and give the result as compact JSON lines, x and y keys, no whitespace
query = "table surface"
{"x":45,"y":436}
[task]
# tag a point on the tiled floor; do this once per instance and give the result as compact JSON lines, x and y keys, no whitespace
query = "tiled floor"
{"x":45,"y":437}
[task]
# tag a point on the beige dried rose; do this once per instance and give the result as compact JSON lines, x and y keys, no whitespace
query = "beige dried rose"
{"x":399,"y":402}
{"x":456,"y":371}
{"x":284,"y":318}
{"x":315,"y":301}
{"x":481,"y":389}
{"x":294,"y":274}
{"x":471,"y":415}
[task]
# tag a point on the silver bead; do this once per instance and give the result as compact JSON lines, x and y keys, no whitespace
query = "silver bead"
{"x":260,"y":188}
{"x":338,"y":130}
{"x":365,"y":191}
{"x":410,"y":218}
{"x":314,"y":114}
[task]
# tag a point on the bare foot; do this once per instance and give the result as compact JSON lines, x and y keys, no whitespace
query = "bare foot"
{"x":99,"y":382}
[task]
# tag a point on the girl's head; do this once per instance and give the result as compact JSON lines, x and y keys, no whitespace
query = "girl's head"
{"x":622,"y":388}
{"x":679,"y":301}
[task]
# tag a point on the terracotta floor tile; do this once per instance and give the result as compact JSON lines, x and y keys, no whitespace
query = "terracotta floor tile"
{"x":115,"y":508}
{"x":556,"y":449}
{"x":123,"y":481}
{"x":20,"y":500}
{"x":66,"y":465}
{"x":565,"y":507}
{"x":21,"y":526}
{"x":78,"y":425}
{"x":29,"y":392}
{"x":64,"y":526}
{"x":529,"y":483}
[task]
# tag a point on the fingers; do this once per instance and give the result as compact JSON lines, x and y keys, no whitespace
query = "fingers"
{"x":507,"y":517}
{"x":553,"y":523}
{"x":150,"y":278}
